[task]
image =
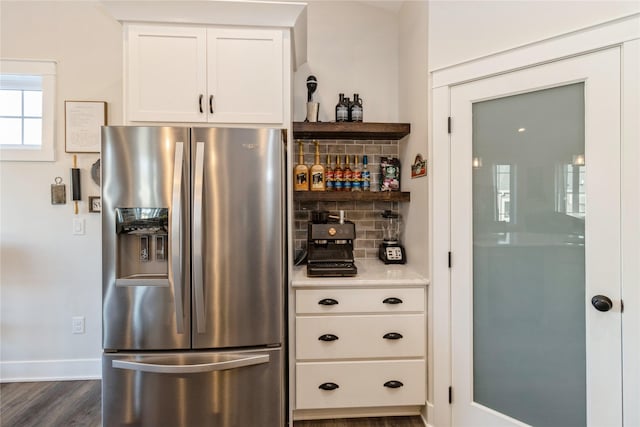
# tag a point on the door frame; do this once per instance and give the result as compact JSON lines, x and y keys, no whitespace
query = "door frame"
{"x":624,"y":33}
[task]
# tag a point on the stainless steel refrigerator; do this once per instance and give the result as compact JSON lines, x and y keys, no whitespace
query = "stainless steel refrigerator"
{"x":193,"y":277}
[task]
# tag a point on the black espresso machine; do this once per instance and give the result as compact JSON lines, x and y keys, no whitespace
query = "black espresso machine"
{"x":330,"y":247}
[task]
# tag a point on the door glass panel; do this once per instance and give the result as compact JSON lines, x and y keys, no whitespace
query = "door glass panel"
{"x":528,"y":256}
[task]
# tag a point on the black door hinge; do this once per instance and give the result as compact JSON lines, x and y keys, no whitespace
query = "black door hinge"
{"x":449,"y":124}
{"x":450,"y":394}
{"x":449,"y":259}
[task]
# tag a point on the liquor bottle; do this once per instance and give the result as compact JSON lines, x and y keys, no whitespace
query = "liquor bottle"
{"x":356,"y":108}
{"x":347,"y":103}
{"x":328,"y":175}
{"x":317,"y":172}
{"x":347,"y":175}
{"x":301,"y":172}
{"x":356,"y":181}
{"x":338,"y":176}
{"x":366,"y":174}
{"x":342,"y":110}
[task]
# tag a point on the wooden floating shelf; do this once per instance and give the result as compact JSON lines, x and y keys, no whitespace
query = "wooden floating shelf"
{"x":350,"y":130}
{"x":348,"y":196}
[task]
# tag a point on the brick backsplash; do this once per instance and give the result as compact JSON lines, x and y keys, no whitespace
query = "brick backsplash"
{"x":366,"y":215}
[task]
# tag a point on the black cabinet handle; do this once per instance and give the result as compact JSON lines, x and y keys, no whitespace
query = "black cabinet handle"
{"x":327,"y":301}
{"x":200,"y":103}
{"x":392,"y":300}
{"x":211,"y":104}
{"x":328,"y":386}
{"x":392,"y":336}
{"x":393,"y":384}
{"x":327,"y":337}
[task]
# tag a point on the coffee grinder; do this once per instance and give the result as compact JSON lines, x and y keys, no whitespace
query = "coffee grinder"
{"x":391,"y":251}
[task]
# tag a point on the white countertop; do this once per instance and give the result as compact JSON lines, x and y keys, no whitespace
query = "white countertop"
{"x":371,"y":272}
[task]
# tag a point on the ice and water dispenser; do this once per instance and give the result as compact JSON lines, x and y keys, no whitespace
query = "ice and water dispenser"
{"x":142,"y":245}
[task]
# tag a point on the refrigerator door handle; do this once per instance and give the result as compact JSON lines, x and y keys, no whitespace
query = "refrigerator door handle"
{"x":176,"y":236}
{"x":197,"y":238}
{"x":240,"y":362}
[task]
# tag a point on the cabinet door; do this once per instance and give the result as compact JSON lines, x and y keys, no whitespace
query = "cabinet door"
{"x":166,"y":79}
{"x":244,"y":76}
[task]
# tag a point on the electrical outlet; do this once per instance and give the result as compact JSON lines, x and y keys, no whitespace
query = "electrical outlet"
{"x":78,"y":226}
{"x":77,"y":325}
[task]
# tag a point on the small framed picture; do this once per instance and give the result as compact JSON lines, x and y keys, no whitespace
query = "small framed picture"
{"x":82,"y":122}
{"x":95,"y":204}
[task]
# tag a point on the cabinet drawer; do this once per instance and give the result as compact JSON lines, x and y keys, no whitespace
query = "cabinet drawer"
{"x":387,"y":300}
{"x":332,"y":337}
{"x":360,"y":384}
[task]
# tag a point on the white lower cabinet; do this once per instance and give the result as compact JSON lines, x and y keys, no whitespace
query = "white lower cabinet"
{"x":360,"y":383}
{"x":359,"y":348}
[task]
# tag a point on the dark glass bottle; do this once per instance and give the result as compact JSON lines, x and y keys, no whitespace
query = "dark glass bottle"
{"x":348,"y":104}
{"x":356,"y":108}
{"x":342,"y":109}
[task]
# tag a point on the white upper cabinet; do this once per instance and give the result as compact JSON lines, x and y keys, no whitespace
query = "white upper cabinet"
{"x":204,"y":74}
{"x":244,"y":76}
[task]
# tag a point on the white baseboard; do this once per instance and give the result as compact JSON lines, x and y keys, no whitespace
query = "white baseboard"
{"x":50,"y":370}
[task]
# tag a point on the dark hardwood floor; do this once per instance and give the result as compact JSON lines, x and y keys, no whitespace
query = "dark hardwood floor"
{"x":77,"y":403}
{"x":48,"y":404}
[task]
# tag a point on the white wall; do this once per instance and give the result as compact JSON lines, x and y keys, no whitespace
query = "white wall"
{"x":352,"y":48}
{"x":48,"y":275}
{"x":413,"y":108}
{"x":464,"y":30}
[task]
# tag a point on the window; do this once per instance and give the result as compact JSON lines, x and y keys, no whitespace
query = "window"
{"x":27,"y":98}
{"x":503,"y":193}
{"x":571,"y":198}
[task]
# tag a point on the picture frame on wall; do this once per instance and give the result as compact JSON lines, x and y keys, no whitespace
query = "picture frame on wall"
{"x":82,"y":122}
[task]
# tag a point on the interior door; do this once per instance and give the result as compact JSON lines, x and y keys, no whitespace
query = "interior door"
{"x":535,"y":237}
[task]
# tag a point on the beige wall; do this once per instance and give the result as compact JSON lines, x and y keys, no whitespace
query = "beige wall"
{"x":464,"y":30}
{"x":352,"y":48}
{"x":47,"y":275}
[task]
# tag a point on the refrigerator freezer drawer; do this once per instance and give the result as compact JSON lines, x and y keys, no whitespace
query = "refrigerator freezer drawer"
{"x":221,"y":389}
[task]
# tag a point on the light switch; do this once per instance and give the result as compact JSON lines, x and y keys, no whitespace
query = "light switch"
{"x":78,"y":226}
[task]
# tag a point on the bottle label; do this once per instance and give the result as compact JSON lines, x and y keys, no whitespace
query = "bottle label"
{"x":356,"y":113}
{"x":366,"y":180}
{"x":356,"y":181}
{"x":342,"y":114}
{"x":316,"y":179}
{"x":301,"y":178}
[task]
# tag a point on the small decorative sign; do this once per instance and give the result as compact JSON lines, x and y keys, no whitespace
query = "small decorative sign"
{"x":419,"y":167}
{"x":82,"y":122}
{"x":95,"y":204}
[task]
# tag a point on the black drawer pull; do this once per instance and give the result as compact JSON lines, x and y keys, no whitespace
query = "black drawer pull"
{"x":392,"y":300}
{"x":327,"y":301}
{"x":327,"y":337}
{"x":393,"y":384}
{"x":328,"y":386}
{"x":392,"y":336}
